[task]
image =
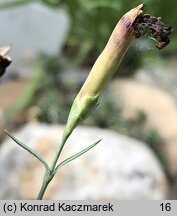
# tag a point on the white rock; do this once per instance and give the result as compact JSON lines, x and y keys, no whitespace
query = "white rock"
{"x":161,"y":76}
{"x":32,"y":29}
{"x":118,"y":168}
{"x":160,"y":109}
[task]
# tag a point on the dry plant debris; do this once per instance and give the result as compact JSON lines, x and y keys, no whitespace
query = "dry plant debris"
{"x":156,"y":28}
{"x":5,"y":60}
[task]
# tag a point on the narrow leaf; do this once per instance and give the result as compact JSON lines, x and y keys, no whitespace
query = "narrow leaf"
{"x":35,"y":154}
{"x":73,"y":157}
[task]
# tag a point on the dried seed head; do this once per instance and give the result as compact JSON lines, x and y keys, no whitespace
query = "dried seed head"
{"x":157,"y":29}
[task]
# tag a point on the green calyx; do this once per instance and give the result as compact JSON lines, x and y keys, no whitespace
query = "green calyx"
{"x":81,"y":108}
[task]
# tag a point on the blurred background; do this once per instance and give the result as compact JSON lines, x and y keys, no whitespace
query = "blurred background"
{"x":54,"y":44}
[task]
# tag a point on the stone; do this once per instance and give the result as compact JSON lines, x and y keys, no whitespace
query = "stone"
{"x":117,"y":168}
{"x":162,"y":76}
{"x":160,"y":109}
{"x":43,"y":32}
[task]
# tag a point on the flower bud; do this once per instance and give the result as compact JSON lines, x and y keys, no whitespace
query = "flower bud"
{"x":110,"y":58}
{"x":103,"y":69}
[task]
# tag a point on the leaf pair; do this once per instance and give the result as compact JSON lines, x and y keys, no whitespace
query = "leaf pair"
{"x":39,"y":157}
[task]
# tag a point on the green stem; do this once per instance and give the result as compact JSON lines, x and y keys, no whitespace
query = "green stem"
{"x":49,"y":174}
{"x":57,"y":155}
{"x":46,"y":181}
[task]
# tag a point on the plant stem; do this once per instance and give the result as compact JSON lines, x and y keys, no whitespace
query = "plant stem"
{"x":45,"y":183}
{"x":57,"y":155}
{"x":49,"y":174}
